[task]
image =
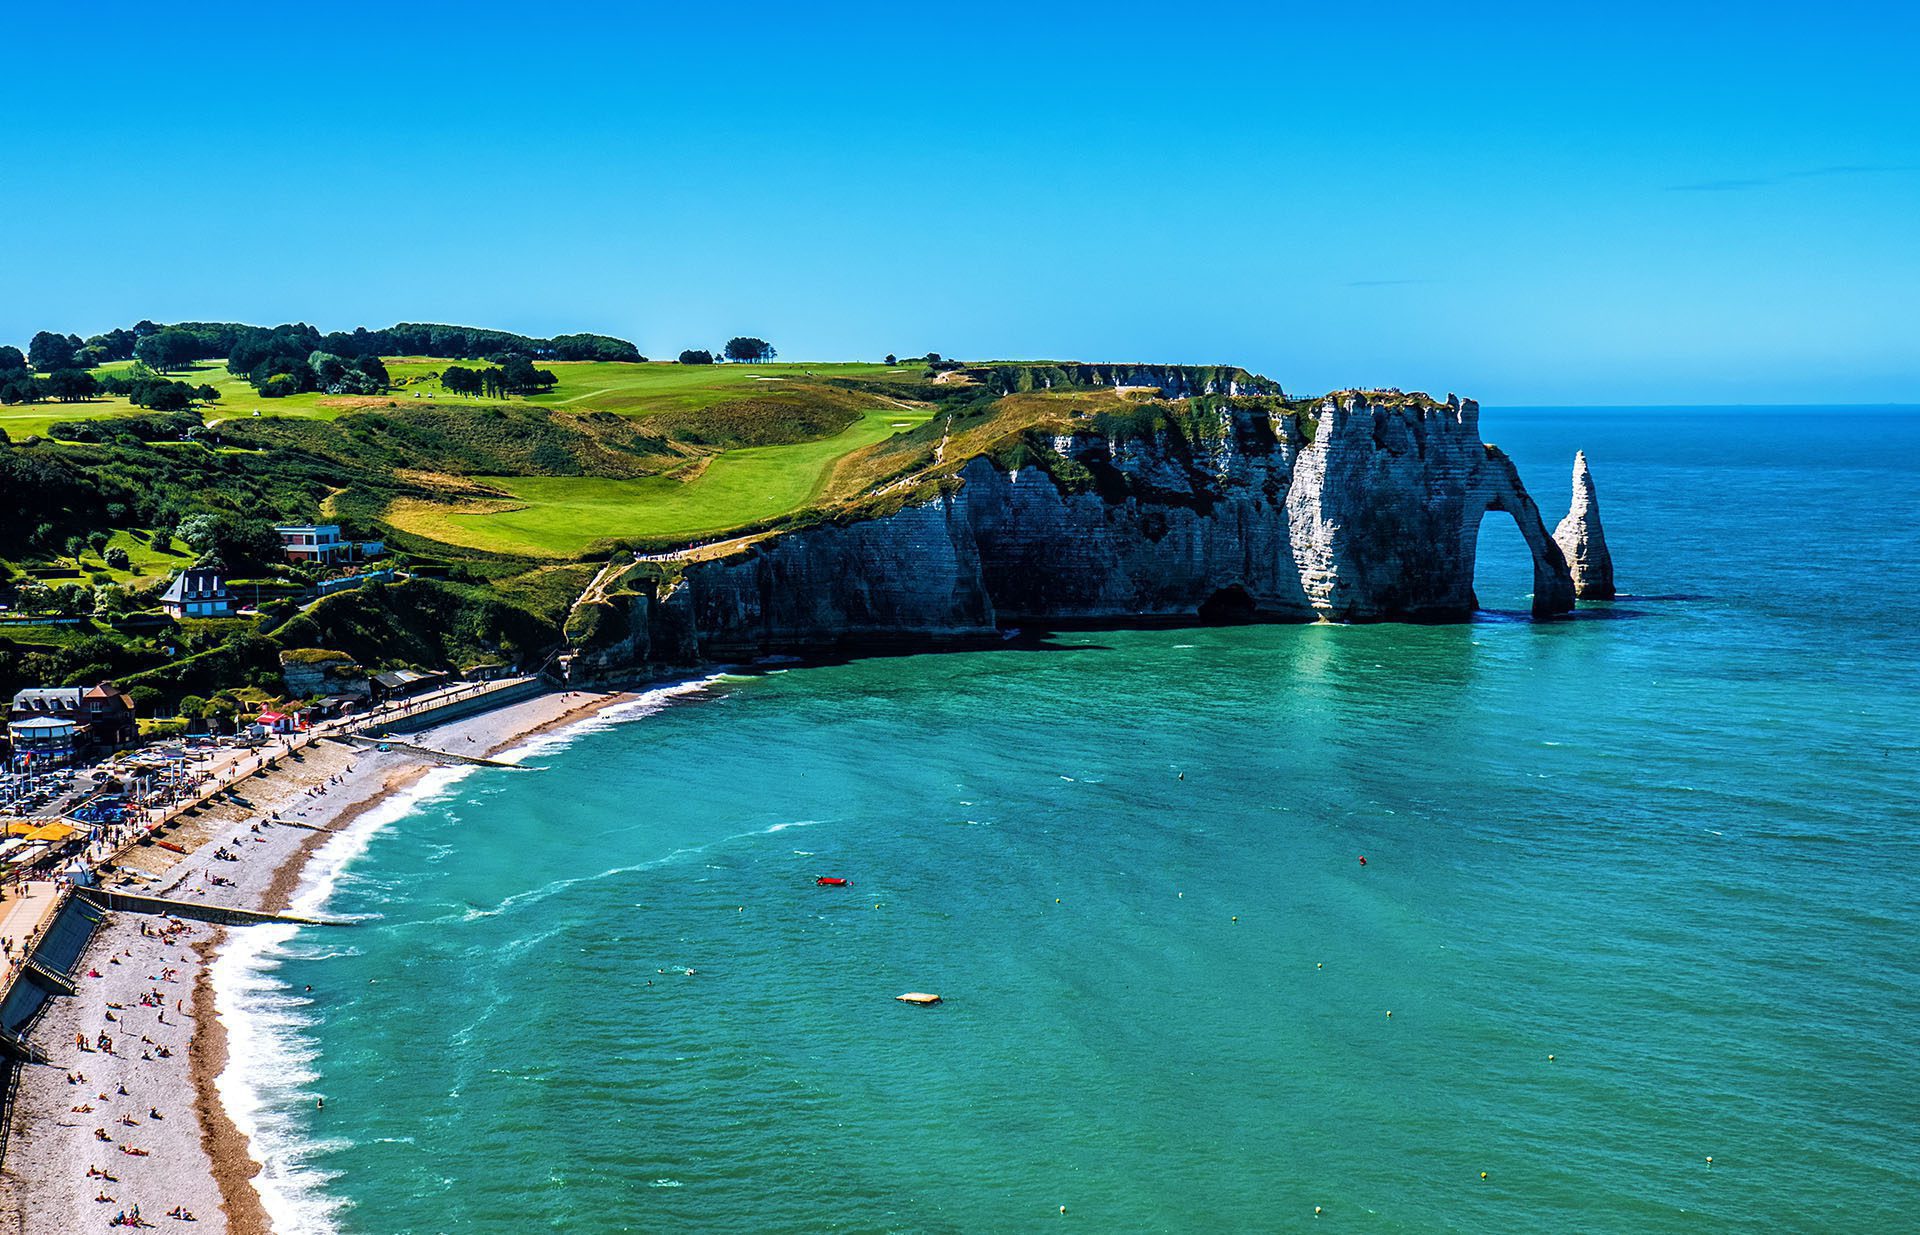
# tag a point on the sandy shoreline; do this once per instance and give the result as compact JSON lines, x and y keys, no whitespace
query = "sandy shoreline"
{"x":154,"y":998}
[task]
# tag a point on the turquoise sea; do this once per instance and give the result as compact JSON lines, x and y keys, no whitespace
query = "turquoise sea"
{"x":1641,"y":889}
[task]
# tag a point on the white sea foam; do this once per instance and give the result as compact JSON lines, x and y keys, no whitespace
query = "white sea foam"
{"x":268,"y":1076}
{"x":646,"y":703}
{"x":267,"y":1084}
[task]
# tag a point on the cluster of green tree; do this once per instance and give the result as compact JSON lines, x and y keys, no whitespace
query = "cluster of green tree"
{"x":49,"y":494}
{"x":17,"y":383}
{"x":516,"y":375}
{"x":164,"y":348}
{"x":471,"y":343}
{"x":748,"y":350}
{"x":94,"y":657}
{"x":292,"y":359}
{"x":185,"y":342}
{"x":105,"y":600}
{"x":741,"y":349}
{"x":443,"y":342}
{"x":65,"y":385}
{"x":143,"y":388}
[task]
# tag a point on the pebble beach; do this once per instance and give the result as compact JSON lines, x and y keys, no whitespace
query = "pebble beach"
{"x":128,"y":1120}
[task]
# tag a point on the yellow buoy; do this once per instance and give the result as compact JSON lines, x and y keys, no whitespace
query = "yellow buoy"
{"x":1483,"y":1174}
{"x":1056,"y":900}
{"x":1236,"y":917}
{"x":1549,"y":1059}
{"x":1316,"y":1211}
{"x":1389,"y":1016}
{"x":1321,"y":965}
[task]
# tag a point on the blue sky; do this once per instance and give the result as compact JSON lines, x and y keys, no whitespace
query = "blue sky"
{"x":1540,"y":203}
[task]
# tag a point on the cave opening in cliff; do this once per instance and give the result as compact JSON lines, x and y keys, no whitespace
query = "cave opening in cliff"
{"x":1230,"y":606}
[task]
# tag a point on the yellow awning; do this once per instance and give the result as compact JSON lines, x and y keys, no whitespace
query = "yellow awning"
{"x":54,"y":832}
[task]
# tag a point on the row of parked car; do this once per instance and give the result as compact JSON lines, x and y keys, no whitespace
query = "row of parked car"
{"x":30,"y":794}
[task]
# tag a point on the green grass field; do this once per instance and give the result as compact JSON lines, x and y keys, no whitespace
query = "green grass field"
{"x":564,"y":516}
{"x":584,"y":386}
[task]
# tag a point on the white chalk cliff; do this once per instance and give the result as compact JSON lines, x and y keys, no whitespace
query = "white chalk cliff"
{"x":1355,"y":509}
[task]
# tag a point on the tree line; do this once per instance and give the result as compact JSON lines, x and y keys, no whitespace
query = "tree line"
{"x":515,"y":376}
{"x":741,"y":349}
{"x":140,"y":386}
{"x":182,"y":343}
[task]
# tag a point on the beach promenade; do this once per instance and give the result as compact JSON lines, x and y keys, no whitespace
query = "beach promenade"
{"x":29,"y":906}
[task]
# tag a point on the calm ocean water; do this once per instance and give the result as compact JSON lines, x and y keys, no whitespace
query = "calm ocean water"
{"x":1640,"y":890}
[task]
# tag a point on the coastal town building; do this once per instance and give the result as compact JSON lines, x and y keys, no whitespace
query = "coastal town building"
{"x":322,"y":542}
{"x":396,"y":683}
{"x":197,"y":592}
{"x":60,"y":722}
{"x":46,"y":740}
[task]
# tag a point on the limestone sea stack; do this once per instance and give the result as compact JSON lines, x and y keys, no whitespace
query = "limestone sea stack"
{"x":1581,"y":540}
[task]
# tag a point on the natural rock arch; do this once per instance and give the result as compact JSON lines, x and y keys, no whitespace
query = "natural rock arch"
{"x":1552,"y":581}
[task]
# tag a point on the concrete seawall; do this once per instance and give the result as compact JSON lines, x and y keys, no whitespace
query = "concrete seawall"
{"x":49,"y":970}
{"x":454,"y":709}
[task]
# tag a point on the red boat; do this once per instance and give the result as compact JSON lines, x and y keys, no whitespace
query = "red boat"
{"x":830,"y":881}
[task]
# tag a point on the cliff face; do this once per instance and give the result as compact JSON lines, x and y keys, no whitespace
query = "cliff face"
{"x":1354,"y":511}
{"x":1583,"y":541}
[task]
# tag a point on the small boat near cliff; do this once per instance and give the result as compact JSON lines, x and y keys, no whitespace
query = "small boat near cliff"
{"x":921,"y":998}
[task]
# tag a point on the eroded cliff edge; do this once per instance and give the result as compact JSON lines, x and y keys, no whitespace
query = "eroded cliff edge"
{"x":1355,"y":508}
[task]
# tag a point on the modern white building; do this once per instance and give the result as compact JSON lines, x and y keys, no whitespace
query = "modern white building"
{"x":321,"y":542}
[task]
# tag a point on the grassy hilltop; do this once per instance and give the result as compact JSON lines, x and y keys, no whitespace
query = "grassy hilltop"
{"x":502,"y":507}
